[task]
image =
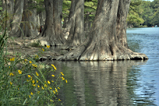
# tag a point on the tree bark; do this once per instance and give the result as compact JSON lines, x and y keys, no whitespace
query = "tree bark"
{"x":33,"y":21}
{"x":123,"y":9}
{"x":57,"y":18}
{"x":52,"y":28}
{"x":29,"y":24}
{"x":17,"y":17}
{"x":10,"y":6}
{"x":86,"y":24}
{"x":71,"y":14}
{"x":42,"y":17}
{"x":25,"y":21}
{"x":103,"y":43}
{"x":76,"y":23}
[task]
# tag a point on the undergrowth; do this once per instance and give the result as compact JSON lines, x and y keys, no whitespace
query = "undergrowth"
{"x":23,"y":81}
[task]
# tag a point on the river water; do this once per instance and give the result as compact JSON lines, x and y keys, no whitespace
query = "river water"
{"x":115,"y":83}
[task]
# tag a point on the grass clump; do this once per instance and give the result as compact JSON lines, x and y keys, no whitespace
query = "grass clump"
{"x":25,"y":82}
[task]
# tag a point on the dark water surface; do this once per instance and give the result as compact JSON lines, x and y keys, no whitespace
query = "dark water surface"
{"x":122,"y":83}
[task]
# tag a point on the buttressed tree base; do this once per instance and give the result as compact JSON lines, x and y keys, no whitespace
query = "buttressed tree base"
{"x":107,"y":38}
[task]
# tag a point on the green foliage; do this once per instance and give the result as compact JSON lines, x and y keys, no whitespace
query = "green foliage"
{"x":143,"y":13}
{"x":90,"y":8}
{"x":155,"y":17}
{"x":65,"y":8}
{"x":147,"y":14}
{"x":3,"y":28}
{"x":134,"y":17}
{"x":36,"y":4}
{"x":26,"y":82}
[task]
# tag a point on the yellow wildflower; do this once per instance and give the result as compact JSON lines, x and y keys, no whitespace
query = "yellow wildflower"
{"x":36,"y":56}
{"x":29,"y":96}
{"x":25,"y":60}
{"x":37,"y":73}
{"x":59,"y":100}
{"x":38,"y":86}
{"x":52,"y":81}
{"x":33,"y":84}
{"x":33,"y":81}
{"x":30,"y":62}
{"x":34,"y":65}
{"x":31,"y":93}
{"x":48,"y":82}
{"x":42,"y":87}
{"x":9,"y":66}
{"x":12,"y":59}
{"x":56,"y":90}
{"x":48,"y":46}
{"x":66,"y":81}
{"x":11,"y":74}
{"x":37,"y":81}
{"x":53,"y":66}
{"x":63,"y":78}
{"x":43,"y":49}
{"x":50,"y":88}
{"x":19,"y":71}
{"x":53,"y":75}
{"x":45,"y":85}
{"x":11,"y":83}
{"x":62,"y":73}
{"x":58,"y":87}
{"x":53,"y":91}
{"x":29,"y":76}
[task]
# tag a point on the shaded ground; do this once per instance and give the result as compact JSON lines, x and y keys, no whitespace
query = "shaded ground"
{"x":30,"y":47}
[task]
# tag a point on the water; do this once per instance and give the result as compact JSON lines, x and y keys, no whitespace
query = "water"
{"x":119,"y":83}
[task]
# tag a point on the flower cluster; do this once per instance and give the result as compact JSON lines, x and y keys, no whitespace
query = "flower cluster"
{"x":28,"y":79}
{"x":12,"y":59}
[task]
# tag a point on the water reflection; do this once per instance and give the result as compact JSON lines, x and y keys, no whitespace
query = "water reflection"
{"x":97,"y":83}
{"x":123,"y":83}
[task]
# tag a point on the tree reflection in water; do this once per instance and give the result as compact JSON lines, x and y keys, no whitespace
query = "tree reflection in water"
{"x":96,"y":83}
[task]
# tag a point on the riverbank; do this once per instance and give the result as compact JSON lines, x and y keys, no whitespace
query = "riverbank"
{"x":30,"y":47}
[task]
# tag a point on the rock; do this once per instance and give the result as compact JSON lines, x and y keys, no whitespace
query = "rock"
{"x":42,"y":58}
{"x":43,"y":43}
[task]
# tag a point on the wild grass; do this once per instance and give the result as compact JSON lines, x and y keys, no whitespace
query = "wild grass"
{"x":23,"y":81}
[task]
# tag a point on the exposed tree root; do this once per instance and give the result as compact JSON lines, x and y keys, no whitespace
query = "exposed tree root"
{"x":96,"y":53}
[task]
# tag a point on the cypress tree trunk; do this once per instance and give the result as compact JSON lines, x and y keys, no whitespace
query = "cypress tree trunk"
{"x":86,"y":24}
{"x":25,"y":21}
{"x":57,"y":18}
{"x":52,"y":24}
{"x":29,"y":24}
{"x":76,"y":23}
{"x":70,"y":18}
{"x":42,"y":17}
{"x":123,"y":9}
{"x":33,"y":20}
{"x":103,"y":41}
{"x":17,"y":17}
